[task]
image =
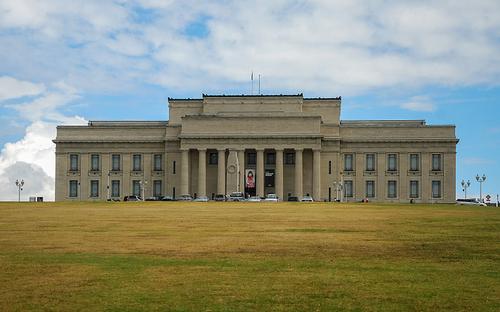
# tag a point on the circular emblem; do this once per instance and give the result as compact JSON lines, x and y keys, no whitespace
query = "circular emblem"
{"x":231,"y":169}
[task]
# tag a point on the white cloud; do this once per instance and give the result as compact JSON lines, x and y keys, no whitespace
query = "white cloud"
{"x":419,"y":104}
{"x":11,"y":88}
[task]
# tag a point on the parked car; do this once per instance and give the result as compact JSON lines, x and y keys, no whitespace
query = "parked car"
{"x":470,"y":201}
{"x":254,"y":199}
{"x":220,"y":197}
{"x":236,"y":196}
{"x":167,"y":198}
{"x":153,"y":198}
{"x":293,"y":199}
{"x":132,"y":198}
{"x":271,"y":198}
{"x":306,"y":199}
{"x":185,"y":197}
{"x":201,"y":199}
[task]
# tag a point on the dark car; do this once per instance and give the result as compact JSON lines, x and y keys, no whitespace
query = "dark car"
{"x":132,"y":198}
{"x":293,"y":199}
{"x":167,"y":198}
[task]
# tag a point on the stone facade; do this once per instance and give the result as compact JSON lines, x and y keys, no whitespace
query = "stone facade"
{"x":294,"y":145}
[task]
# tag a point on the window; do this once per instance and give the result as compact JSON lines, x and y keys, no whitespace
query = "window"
{"x":73,"y":162}
{"x":270,"y":158}
{"x":73,"y":188}
{"x":251,"y":158}
{"x":348,"y":162}
{"x":173,"y":167}
{"x":436,"y":162}
{"x":370,"y":162}
{"x":436,"y":189}
{"x":289,"y":158}
{"x":348,"y":191}
{"x":413,"y":189}
{"x":157,"y":162}
{"x":330,"y":167}
{"x":213,"y":158}
{"x":157,"y":188}
{"x":115,"y":188}
{"x":115,"y":162}
{"x":137,"y":162}
{"x":94,"y":188}
{"x":414,"y":162}
{"x":370,"y":189}
{"x":94,"y":162}
{"x":392,"y":162}
{"x":136,"y":188}
{"x":391,"y":189}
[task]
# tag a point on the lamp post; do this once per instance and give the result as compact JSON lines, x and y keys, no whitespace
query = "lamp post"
{"x":19,"y":189}
{"x":465,"y":186}
{"x":481,"y":180}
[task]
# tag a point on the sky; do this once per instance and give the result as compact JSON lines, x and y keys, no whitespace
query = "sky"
{"x":67,"y":62}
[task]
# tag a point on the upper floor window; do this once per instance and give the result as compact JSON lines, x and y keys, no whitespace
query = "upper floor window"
{"x":213,"y":158}
{"x":436,"y":162}
{"x":157,"y":162}
{"x":270,"y":158}
{"x":115,"y":162}
{"x":289,"y":158}
{"x":94,"y":162}
{"x":370,"y":162}
{"x":251,"y":158}
{"x":137,"y":162}
{"x":392,"y":162}
{"x":414,"y":162}
{"x":329,"y":167}
{"x":348,"y":162}
{"x":73,"y":162}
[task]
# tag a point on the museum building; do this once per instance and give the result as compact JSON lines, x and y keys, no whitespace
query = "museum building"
{"x":287,"y":145}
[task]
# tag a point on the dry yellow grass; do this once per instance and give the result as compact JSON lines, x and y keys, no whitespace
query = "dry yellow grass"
{"x":248,"y":256}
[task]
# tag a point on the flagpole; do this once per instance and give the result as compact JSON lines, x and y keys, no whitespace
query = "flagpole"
{"x":251,"y":78}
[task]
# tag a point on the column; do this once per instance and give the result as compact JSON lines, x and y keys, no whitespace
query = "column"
{"x":317,"y":175}
{"x":202,"y":172}
{"x":260,"y":172}
{"x":298,"y":173}
{"x":184,"y":172}
{"x":279,"y":174}
{"x":241,"y":163}
{"x":221,"y":172}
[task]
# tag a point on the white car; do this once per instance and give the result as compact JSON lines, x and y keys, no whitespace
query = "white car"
{"x":470,"y":201}
{"x":271,"y":198}
{"x":201,"y":199}
{"x":254,"y":199}
{"x":306,"y":199}
{"x":236,"y":197}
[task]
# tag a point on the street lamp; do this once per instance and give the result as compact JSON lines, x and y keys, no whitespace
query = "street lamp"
{"x":481,"y":180}
{"x":19,"y":189}
{"x":465,"y":186}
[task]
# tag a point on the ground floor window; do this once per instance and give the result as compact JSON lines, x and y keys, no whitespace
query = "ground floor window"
{"x":136,"y":187}
{"x":413,"y":189}
{"x":73,"y":188}
{"x":94,"y":188}
{"x":370,"y":189}
{"x":436,"y":189}
{"x":348,"y":191}
{"x":391,"y":189}
{"x":157,"y":188}
{"x":115,"y":188}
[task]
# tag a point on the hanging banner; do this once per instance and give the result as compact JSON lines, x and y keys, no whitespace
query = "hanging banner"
{"x":250,"y":178}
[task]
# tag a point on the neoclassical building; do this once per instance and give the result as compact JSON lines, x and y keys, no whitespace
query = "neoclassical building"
{"x":258,"y":144}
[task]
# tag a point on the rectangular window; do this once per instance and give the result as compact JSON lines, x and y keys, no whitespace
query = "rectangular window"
{"x":73,"y":188}
{"x":289,"y":158}
{"x":73,"y":162}
{"x":270,"y":158}
{"x":251,"y":158}
{"x":370,"y":189}
{"x":157,"y":188}
{"x":330,"y":167}
{"x":158,"y":160}
{"x":436,"y":189}
{"x":370,"y":162}
{"x":137,"y":162}
{"x":436,"y":162}
{"x":392,"y":189}
{"x":213,"y":158}
{"x":173,"y":167}
{"x":392,"y":162}
{"x":115,"y":162}
{"x":94,"y":188}
{"x":348,"y":162}
{"x":414,"y":162}
{"x":136,"y":188}
{"x":94,"y":162}
{"x":115,"y":188}
{"x":413,"y":189}
{"x":348,"y":191}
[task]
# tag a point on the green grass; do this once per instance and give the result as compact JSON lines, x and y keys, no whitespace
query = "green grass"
{"x":249,"y":256}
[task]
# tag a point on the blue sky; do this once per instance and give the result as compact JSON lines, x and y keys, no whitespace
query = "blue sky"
{"x":120,"y":60}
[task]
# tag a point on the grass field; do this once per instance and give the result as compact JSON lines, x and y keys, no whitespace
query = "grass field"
{"x":250,"y":256}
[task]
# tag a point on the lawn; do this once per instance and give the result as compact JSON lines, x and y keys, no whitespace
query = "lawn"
{"x":176,"y":256}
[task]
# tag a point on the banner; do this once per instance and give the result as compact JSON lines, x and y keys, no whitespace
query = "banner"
{"x":250,"y":178}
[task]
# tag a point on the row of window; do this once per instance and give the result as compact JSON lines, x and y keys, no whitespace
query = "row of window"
{"x":392,"y":162}
{"x":392,"y":189}
{"x":115,"y":188}
{"x":116,"y":162}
